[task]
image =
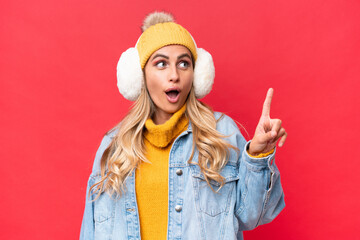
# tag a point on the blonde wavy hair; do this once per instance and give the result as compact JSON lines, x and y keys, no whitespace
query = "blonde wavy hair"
{"x":127,"y":148}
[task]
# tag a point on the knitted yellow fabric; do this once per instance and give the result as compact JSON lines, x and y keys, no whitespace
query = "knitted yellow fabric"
{"x":261,"y":155}
{"x":151,"y":179}
{"x":160,"y":35}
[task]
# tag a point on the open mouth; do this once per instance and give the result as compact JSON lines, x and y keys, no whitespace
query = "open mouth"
{"x":172,"y":93}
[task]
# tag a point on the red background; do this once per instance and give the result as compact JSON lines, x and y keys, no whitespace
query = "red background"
{"x":58,"y":96}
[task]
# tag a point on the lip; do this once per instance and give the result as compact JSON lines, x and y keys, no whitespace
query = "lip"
{"x":173,"y":89}
{"x":173,"y":100}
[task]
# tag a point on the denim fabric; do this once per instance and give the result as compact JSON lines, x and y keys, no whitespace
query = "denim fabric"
{"x":251,"y":196}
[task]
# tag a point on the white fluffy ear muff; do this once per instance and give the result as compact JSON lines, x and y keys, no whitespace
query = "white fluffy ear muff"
{"x":130,"y":77}
{"x":204,"y":73}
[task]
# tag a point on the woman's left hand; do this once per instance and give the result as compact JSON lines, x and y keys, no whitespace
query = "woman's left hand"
{"x":268,"y":131}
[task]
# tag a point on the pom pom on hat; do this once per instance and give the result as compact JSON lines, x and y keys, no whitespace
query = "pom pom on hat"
{"x":155,"y":18}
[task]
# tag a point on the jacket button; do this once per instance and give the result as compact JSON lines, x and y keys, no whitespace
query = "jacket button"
{"x":179,"y":172}
{"x":178,"y":208}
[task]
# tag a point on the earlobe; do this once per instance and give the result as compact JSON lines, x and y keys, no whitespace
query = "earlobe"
{"x":130,"y":76}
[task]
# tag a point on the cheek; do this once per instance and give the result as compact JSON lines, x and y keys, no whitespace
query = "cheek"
{"x":153,"y":84}
{"x":189,"y":82}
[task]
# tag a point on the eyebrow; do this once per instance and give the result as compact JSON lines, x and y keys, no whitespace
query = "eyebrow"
{"x":184,"y":55}
{"x":164,"y":56}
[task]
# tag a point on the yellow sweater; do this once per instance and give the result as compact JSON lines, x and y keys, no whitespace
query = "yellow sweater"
{"x":151,"y":179}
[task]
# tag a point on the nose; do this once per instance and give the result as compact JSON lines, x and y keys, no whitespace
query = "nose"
{"x":173,"y":75}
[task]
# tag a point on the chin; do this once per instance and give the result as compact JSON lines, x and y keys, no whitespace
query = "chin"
{"x":171,"y":108}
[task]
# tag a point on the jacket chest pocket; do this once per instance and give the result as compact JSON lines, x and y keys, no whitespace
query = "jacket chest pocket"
{"x":210,"y":202}
{"x":104,"y":213}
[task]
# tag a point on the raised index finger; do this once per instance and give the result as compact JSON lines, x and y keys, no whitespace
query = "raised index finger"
{"x":267,"y":103}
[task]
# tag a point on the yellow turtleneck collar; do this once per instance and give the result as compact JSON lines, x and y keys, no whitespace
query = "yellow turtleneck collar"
{"x":163,"y":134}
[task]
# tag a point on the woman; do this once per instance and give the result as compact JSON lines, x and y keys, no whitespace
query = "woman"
{"x":173,"y":168}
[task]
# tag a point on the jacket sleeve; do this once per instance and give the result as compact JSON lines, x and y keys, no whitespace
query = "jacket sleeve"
{"x":259,"y":194}
{"x":87,"y":231}
{"x":260,"y":197}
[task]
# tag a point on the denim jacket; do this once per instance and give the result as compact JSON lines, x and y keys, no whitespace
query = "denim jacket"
{"x":252,"y":195}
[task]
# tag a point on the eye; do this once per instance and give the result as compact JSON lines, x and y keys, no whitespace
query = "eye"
{"x":160,"y":64}
{"x":184,"y":64}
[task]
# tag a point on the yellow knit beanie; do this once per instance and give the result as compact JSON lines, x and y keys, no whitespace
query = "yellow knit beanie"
{"x":162,"y":34}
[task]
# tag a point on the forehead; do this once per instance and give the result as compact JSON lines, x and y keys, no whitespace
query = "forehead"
{"x":172,"y":50}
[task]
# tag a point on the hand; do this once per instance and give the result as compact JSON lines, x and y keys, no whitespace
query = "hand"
{"x":268,"y":131}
